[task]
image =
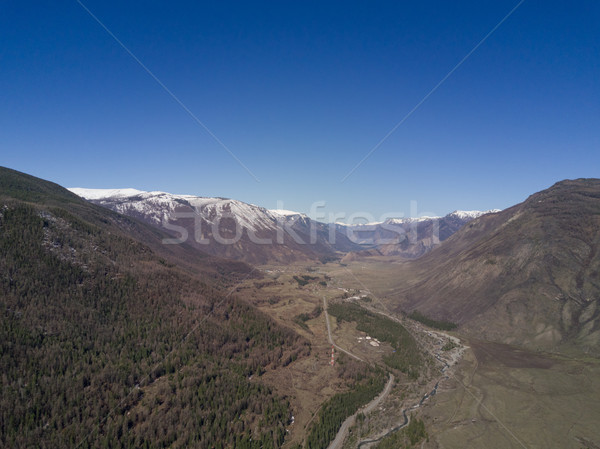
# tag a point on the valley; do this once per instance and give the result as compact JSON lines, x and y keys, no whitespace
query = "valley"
{"x":488,"y":339}
{"x":474,"y":394}
{"x":300,"y":225}
{"x":283,"y":298}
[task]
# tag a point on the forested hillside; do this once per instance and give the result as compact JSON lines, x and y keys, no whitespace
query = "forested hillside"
{"x":104,"y":342}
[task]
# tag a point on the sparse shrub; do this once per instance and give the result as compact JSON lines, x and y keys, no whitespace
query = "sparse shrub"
{"x":450,"y":345}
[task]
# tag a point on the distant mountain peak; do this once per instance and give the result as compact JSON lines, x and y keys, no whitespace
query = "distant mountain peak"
{"x":226,"y":227}
{"x":156,"y":206}
{"x":460,"y":214}
{"x":96,"y":194}
{"x":471,"y":214}
{"x":285,"y":212}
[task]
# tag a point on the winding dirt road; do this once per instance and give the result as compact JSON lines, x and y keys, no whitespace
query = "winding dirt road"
{"x":343,"y":432}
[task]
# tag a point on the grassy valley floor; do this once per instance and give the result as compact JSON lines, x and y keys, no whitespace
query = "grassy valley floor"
{"x":492,"y":395}
{"x":504,"y":397}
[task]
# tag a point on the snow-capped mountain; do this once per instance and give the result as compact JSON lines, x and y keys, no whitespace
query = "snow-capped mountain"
{"x":96,"y":194}
{"x":285,"y":212}
{"x":458,"y":214}
{"x":226,"y":227}
{"x":242,"y":231}
{"x":408,"y":237}
{"x":471,"y":214}
{"x":157,"y":207}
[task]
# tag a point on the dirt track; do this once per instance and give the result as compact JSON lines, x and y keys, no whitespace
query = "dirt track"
{"x":341,"y":435}
{"x":329,"y":333}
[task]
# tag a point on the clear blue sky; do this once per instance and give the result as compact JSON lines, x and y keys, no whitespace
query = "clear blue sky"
{"x":300,"y":92}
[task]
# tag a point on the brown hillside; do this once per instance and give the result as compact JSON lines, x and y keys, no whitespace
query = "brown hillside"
{"x":529,"y":274}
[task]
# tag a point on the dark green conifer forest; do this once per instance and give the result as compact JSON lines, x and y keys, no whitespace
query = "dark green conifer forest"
{"x":104,"y":342}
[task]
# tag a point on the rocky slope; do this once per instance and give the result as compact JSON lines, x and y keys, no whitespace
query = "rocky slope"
{"x":407,"y":238}
{"x":226,"y":227}
{"x":529,"y":274}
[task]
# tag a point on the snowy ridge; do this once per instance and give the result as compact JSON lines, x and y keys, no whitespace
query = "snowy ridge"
{"x":410,"y":220}
{"x":471,"y":214}
{"x":284,"y":212}
{"x":460,"y":214}
{"x":358,"y":225}
{"x":226,"y":227}
{"x":160,"y":206}
{"x":96,"y":194}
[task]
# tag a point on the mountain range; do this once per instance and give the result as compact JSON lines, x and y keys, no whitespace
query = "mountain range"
{"x":407,"y":238}
{"x":97,"y":303}
{"x":236,"y":230}
{"x":227,"y":227}
{"x":527,"y":275}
